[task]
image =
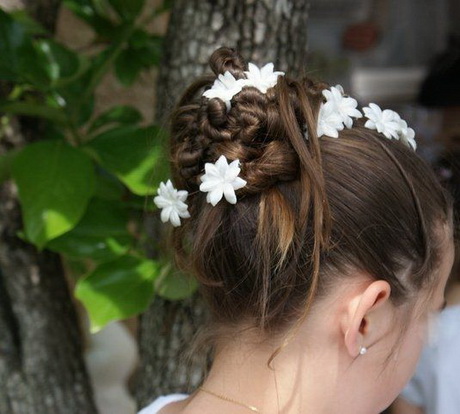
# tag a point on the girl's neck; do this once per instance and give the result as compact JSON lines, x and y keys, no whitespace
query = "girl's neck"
{"x":241,"y":373}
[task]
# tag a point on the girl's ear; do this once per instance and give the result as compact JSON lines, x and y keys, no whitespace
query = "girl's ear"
{"x":367,"y":317}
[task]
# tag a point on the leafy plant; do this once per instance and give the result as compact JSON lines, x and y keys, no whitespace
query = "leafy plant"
{"x":82,"y":185}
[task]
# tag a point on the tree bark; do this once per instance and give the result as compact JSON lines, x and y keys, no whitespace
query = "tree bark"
{"x":263,"y":31}
{"x":41,"y":365}
{"x":42,"y":370}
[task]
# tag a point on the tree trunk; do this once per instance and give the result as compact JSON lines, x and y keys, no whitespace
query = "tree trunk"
{"x":263,"y":31}
{"x":41,"y":347}
{"x":41,"y":364}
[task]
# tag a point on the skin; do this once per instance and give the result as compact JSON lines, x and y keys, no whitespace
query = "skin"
{"x":401,"y":406}
{"x":320,"y":370}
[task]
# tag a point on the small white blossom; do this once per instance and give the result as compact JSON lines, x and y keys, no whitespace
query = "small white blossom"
{"x":262,"y":78}
{"x":172,"y":203}
{"x":344,"y":105}
{"x":385,"y":122}
{"x":225,"y":87}
{"x":221,"y":179}
{"x":407,"y":135}
{"x":329,"y":121}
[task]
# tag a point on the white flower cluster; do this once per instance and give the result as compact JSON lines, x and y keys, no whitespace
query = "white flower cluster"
{"x":338,"y":110}
{"x":225,"y":87}
{"x":390,"y":124}
{"x":221,"y":179}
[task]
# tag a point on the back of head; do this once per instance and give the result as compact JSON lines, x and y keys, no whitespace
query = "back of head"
{"x":313,"y":209}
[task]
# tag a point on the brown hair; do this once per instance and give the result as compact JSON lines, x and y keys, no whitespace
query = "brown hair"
{"x":312,"y":210}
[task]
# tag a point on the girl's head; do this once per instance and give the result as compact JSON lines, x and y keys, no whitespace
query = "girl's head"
{"x":320,"y":220}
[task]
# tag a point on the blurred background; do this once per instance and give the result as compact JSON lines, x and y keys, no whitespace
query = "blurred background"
{"x":93,"y":316}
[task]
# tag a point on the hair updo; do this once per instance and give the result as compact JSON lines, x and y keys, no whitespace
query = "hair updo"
{"x":313,"y":210}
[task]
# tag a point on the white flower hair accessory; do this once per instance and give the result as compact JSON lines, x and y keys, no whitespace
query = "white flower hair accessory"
{"x":172,"y":203}
{"x":329,"y":121}
{"x":337,"y":112}
{"x":262,"y":78}
{"x":387,"y":122}
{"x":344,"y":105}
{"x":390,"y":124}
{"x":221,"y":179}
{"x":225,"y":87}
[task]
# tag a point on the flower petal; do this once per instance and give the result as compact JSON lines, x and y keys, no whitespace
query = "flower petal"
{"x":215,"y":196}
{"x":165,"y":213}
{"x":239,"y":183}
{"x":229,"y":193}
{"x":174,"y":219}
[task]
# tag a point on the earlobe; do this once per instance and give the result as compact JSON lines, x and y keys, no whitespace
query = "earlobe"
{"x":361,"y":324}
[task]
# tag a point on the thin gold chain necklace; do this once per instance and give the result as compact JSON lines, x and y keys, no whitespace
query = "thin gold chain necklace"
{"x":223,"y":397}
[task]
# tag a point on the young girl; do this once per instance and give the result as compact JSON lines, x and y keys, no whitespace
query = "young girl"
{"x":321,"y":241}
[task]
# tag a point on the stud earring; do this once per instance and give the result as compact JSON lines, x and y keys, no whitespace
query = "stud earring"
{"x":362,"y":350}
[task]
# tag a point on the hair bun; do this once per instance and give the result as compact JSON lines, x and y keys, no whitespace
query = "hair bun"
{"x":227,"y":59}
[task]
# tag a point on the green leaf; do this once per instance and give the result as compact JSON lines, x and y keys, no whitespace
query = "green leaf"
{"x":80,"y":92}
{"x":90,"y":12}
{"x":38,"y":110}
{"x":100,"y":235}
{"x":76,"y":268}
{"x":13,"y":40}
{"x":20,"y":60}
{"x":30,"y":25}
{"x":108,"y":187}
{"x":143,"y":204}
{"x":136,"y":156}
{"x":55,"y":182}
{"x":128,"y":65}
{"x":117,"y":289}
{"x":139,"y":38}
{"x":58,"y":61}
{"x":120,"y":115}
{"x":127,"y":10}
{"x":33,"y":67}
{"x":149,"y":50}
{"x":79,"y":110}
{"x":82,"y":8}
{"x":172,"y":284}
